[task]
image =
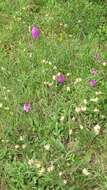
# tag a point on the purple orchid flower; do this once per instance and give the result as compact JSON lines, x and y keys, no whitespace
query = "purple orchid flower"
{"x":97,"y":56}
{"x":27,"y":107}
{"x":60,"y":79}
{"x":35,"y":32}
{"x":93,"y":71}
{"x":93,"y":83}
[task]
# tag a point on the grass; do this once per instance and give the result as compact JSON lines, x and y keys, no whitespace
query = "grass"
{"x":54,"y":146}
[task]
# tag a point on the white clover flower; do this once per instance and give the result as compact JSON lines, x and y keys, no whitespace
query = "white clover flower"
{"x":81,"y":127}
{"x":85,"y":172}
{"x":77,"y":109}
{"x":70,"y":132}
{"x":104,"y":63}
{"x":54,"y":77}
{"x":97,"y":129}
{"x":65,"y":181}
{"x":68,"y":74}
{"x":1,"y":105}
{"x":3,"y":69}
{"x":62,"y":118}
{"x":94,"y":99}
{"x":68,"y":89}
{"x":47,"y":146}
{"x":85,"y":101}
{"x":77,"y":80}
{"x":60,"y":173}
{"x":73,"y":118}
{"x":30,"y":55}
{"x":21,"y":138}
{"x":50,"y":63}
{"x":17,"y":146}
{"x":24,"y":146}
{"x":98,"y":92}
{"x":96,"y":110}
{"x":83,"y":108}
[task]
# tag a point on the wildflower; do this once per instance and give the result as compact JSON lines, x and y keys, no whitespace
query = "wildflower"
{"x":60,"y":173}
{"x":93,"y":83}
{"x":54,"y":77}
{"x":27,"y":107}
{"x":94,"y":99}
{"x":60,"y":78}
{"x":47,"y":146}
{"x":1,"y":105}
{"x":70,"y":132}
{"x":3,"y":69}
{"x":73,"y":118}
{"x":68,"y":89}
{"x":104,"y":63}
{"x":81,"y":127}
{"x":16,"y":146}
{"x":85,"y":101}
{"x":98,"y":92}
{"x":30,"y":55}
{"x":85,"y":172}
{"x":21,"y":138}
{"x":44,"y":61}
{"x":24,"y":146}
{"x":31,"y":162}
{"x":4,"y":87}
{"x":68,"y":74}
{"x":62,"y":118}
{"x":102,"y":116}
{"x":93,"y":71}
{"x":65,"y":181}
{"x":8,"y":90}
{"x":97,"y":56}
{"x":77,"y":80}
{"x":50,"y":63}
{"x":83,"y":108}
{"x":77,"y":109}
{"x":50,"y":168}
{"x":96,"y":110}
{"x":35,"y":32}
{"x":97,"y":129}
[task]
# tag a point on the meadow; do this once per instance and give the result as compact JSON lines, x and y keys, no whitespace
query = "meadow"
{"x":53,"y":95}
